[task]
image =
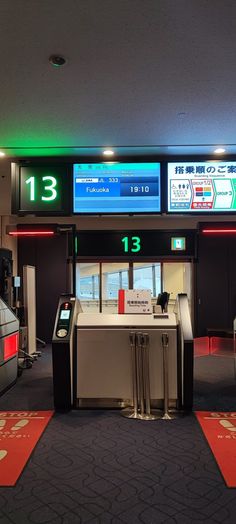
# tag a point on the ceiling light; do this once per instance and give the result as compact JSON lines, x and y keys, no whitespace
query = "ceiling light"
{"x":219,"y":150}
{"x":110,"y":162}
{"x":108,"y":152}
{"x":1,"y":153}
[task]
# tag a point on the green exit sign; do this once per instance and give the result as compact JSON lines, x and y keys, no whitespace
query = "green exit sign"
{"x":178,"y":244}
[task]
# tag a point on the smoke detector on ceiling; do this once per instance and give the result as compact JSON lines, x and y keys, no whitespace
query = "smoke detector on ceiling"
{"x":57,"y":60}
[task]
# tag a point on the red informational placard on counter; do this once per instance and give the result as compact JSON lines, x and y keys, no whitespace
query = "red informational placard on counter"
{"x":134,"y":301}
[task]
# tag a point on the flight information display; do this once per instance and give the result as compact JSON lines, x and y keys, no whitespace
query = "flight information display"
{"x":116,"y":188}
{"x":201,"y":187}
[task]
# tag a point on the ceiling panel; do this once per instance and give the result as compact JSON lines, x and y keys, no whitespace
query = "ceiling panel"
{"x":145,"y":77}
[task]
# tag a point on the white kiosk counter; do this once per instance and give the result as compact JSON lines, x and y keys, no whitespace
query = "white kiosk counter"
{"x":104,"y":363}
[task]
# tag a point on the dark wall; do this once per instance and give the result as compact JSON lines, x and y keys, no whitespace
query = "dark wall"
{"x":49,"y":256}
{"x":215,"y":283}
{"x":5,"y":275}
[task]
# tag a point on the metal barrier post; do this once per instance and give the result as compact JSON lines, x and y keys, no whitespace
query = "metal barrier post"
{"x":165,"y":344}
{"x":132,"y":338}
{"x":133,"y":413}
{"x":146,"y":378}
{"x":139,"y":345}
{"x":139,"y":339}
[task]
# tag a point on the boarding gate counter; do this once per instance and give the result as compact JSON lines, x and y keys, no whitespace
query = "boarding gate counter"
{"x":104,"y":365}
{"x":99,"y":358}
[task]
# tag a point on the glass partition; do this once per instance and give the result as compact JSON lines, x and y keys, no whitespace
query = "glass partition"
{"x":172,"y":277}
{"x":177,"y":278}
{"x":87,"y":286}
{"x":115,"y":276}
{"x":147,"y":276}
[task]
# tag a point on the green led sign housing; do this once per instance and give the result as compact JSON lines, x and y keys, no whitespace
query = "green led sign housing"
{"x":41,"y":189}
{"x":135,"y":244}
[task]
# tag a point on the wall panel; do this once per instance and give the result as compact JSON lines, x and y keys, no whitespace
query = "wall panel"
{"x":49,"y":256}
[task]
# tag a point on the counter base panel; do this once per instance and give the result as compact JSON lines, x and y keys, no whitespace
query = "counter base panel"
{"x":114,"y":403}
{"x":8,"y":374}
{"x":104,"y":368}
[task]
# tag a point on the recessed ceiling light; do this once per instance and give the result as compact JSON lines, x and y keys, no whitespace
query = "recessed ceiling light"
{"x":2,"y":154}
{"x":108,"y":152}
{"x":219,"y":150}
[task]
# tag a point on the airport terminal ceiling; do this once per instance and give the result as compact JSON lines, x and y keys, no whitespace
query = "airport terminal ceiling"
{"x":145,"y":79}
{"x":142,"y":78}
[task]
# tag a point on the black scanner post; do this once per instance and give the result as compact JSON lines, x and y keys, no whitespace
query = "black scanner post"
{"x":63,"y":352}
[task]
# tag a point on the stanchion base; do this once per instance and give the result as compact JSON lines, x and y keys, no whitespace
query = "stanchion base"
{"x":166,"y":416}
{"x":171,"y":416}
{"x":129,"y":413}
{"x":150,"y":416}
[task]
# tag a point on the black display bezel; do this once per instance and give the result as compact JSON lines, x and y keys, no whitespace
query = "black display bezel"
{"x":119,"y":213}
{"x":156,"y":244}
{"x":67,"y":205}
{"x":66,"y":189}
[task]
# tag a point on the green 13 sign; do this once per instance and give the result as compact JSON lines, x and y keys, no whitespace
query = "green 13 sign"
{"x":131,"y":244}
{"x":41,"y":189}
{"x":49,"y":186}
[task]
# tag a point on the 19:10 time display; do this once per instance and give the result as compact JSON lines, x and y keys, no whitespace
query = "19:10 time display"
{"x":139,"y":189}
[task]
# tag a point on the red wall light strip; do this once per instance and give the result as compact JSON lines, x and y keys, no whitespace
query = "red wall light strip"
{"x":31,"y":233}
{"x":219,"y":231}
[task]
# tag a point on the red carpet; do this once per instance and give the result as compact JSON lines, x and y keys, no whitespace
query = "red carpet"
{"x":19,"y":434}
{"x":219,"y":429}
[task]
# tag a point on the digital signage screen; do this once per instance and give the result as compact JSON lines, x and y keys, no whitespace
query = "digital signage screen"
{"x":116,"y":188}
{"x":41,"y":189}
{"x":207,"y":187}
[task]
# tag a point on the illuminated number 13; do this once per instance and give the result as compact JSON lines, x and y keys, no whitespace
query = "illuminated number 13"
{"x":135,"y":244}
{"x":47,"y":187}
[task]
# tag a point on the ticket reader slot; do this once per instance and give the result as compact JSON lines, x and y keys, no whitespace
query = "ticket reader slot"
{"x":63,"y":323}
{"x":63,"y":352}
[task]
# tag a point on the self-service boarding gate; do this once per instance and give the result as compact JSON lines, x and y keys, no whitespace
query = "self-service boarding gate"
{"x":9,"y":343}
{"x":87,"y":347}
{"x":62,"y":352}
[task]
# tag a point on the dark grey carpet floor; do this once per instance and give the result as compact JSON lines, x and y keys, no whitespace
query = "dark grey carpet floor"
{"x":99,"y":467}
{"x":214,"y":383}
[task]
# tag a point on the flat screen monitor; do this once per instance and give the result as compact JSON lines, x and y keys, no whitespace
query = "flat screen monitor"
{"x":207,"y":187}
{"x":116,"y":188}
{"x":41,"y":189}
